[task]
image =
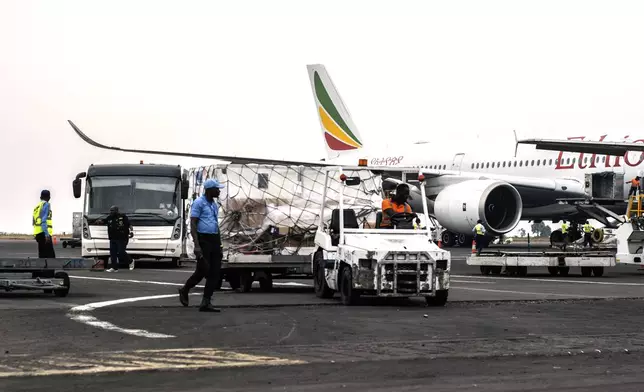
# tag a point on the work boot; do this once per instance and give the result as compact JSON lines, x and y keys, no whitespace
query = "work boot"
{"x":183,"y":296}
{"x":206,"y":306}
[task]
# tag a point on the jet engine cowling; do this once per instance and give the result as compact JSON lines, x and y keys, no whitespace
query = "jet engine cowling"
{"x":496,"y":203}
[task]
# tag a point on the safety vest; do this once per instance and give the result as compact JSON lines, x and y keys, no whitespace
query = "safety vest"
{"x":564,"y":228}
{"x":37,"y":222}
{"x":387,"y":204}
{"x":479,"y":229}
{"x":588,"y":228}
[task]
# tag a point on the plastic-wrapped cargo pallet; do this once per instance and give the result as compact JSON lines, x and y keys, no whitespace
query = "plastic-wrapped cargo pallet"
{"x":273,"y":209}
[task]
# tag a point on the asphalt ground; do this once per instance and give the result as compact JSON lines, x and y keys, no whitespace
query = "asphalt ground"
{"x":128,"y":332}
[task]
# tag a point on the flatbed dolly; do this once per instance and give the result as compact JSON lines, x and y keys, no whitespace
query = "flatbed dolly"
{"x":40,"y":274}
{"x":517,"y":263}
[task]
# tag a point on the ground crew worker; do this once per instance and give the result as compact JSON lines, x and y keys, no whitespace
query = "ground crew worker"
{"x":204,"y":226}
{"x":43,"y":228}
{"x":635,"y":186}
{"x":588,"y":232}
{"x":564,"y":231}
{"x":119,"y":231}
{"x":395,"y":205}
{"x":479,"y":235}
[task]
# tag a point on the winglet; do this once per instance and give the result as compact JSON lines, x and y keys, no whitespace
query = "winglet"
{"x":516,"y":142}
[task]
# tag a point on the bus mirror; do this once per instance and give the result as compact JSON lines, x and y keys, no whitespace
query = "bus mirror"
{"x":185,"y":184}
{"x":76,"y":186}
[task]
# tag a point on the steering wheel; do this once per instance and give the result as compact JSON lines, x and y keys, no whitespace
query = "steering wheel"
{"x":404,"y":218}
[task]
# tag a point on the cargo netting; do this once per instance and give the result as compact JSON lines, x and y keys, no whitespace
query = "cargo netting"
{"x":274,"y":209}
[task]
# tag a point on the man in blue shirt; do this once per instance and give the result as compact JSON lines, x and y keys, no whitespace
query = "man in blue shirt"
{"x":204,"y":227}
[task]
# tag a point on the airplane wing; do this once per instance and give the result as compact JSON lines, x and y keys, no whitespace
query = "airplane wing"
{"x":591,"y":147}
{"x":230,"y":158}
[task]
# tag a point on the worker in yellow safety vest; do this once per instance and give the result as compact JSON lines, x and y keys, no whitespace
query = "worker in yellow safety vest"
{"x":588,"y":232}
{"x":479,"y":236}
{"x":43,"y":228}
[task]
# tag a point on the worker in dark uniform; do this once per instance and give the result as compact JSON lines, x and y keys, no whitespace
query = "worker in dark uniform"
{"x":479,"y":236}
{"x":204,"y":227}
{"x":43,"y":228}
{"x":119,"y":231}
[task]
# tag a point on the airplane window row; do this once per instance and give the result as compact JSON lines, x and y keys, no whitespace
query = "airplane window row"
{"x":538,"y":162}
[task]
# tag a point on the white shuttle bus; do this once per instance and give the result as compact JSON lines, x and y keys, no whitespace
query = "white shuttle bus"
{"x":152,"y":196}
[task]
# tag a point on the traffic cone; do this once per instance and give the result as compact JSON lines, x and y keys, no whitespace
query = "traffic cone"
{"x":440,"y":243}
{"x":473,"y":246}
{"x":54,"y":240}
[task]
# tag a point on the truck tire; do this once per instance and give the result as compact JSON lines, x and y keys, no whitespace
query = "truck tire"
{"x":348,"y":295}
{"x":63,"y":291}
{"x":321,"y":288}
{"x":233,"y":279}
{"x":64,"y":244}
{"x":563,"y":271}
{"x":266,"y":282}
{"x":485,"y":270}
{"x":598,"y":271}
{"x":586,"y":272}
{"x":448,"y":239}
{"x":439,"y":300}
{"x":246,"y":280}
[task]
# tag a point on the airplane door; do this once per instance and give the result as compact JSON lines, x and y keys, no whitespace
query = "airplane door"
{"x":456,"y":163}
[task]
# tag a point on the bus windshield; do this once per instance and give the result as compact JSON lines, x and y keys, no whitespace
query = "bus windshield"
{"x":146,"y":197}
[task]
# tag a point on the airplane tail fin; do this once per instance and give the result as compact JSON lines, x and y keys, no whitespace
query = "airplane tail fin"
{"x":341,"y":136}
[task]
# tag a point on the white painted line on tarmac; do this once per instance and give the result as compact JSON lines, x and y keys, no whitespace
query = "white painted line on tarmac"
{"x":94,"y":322}
{"x":77,"y":314}
{"x":129,"y":280}
{"x":284,"y":284}
{"x":550,"y":280}
{"x":470,"y":281}
{"x":571,"y":296}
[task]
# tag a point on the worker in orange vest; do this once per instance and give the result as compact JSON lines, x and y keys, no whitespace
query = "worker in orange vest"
{"x":395,"y":205}
{"x":635,"y":186}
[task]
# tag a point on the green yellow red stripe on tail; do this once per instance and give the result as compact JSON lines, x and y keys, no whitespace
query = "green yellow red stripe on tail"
{"x":332,"y":120}
{"x":340,"y":133}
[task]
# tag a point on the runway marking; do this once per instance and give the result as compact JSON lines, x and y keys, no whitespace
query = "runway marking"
{"x":571,"y":296}
{"x":138,"y":360}
{"x":469,"y":281}
{"x":284,"y":284}
{"x":551,"y":280}
{"x":77,"y":314}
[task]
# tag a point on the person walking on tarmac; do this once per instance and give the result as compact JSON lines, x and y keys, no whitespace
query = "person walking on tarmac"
{"x":635,"y":186}
{"x":588,"y":232}
{"x":119,"y":231}
{"x":204,"y":226}
{"x":479,"y":236}
{"x":43,"y":228}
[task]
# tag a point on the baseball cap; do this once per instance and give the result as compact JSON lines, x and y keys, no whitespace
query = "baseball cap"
{"x":212,"y":183}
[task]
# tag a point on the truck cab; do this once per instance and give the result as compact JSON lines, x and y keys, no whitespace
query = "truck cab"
{"x":153,"y":198}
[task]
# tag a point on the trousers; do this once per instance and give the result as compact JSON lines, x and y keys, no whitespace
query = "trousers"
{"x":209,"y":265}
{"x":117,"y":251}
{"x":45,"y":248}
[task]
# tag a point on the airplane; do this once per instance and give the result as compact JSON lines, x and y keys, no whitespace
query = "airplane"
{"x":462,"y":186}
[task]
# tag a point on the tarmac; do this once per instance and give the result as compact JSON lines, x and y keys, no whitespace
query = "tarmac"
{"x":127,"y":331}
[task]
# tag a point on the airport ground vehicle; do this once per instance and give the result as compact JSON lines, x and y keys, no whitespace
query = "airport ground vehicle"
{"x":399,"y":262}
{"x":628,"y":237}
{"x":39,"y":274}
{"x":153,"y":198}
{"x":77,"y":229}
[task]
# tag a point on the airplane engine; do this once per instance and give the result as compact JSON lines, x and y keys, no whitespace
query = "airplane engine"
{"x":497,"y":203}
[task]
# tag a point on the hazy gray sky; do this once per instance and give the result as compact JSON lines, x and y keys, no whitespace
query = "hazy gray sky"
{"x":230,"y":77}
